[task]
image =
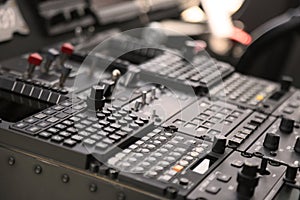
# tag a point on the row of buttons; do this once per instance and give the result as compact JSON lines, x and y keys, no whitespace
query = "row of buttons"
{"x":251,"y":125}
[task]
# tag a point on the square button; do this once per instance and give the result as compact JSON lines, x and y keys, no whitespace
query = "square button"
{"x":237,"y":163}
{"x":223,"y":178}
{"x":212,"y":189}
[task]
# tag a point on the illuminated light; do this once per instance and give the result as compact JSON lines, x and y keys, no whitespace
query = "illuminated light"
{"x":193,"y":14}
{"x":241,"y":36}
{"x":259,"y":97}
{"x":178,"y":168}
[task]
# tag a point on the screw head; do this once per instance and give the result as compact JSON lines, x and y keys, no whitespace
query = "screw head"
{"x":11,"y":161}
{"x":38,"y":169}
{"x":93,"y":187}
{"x":65,"y":178}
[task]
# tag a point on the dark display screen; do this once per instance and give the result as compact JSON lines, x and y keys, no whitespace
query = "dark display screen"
{"x":14,"y":108}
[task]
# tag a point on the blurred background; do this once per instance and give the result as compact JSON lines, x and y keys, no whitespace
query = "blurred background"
{"x":263,"y":40}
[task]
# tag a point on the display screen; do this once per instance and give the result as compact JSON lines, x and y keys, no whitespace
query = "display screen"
{"x":14,"y":108}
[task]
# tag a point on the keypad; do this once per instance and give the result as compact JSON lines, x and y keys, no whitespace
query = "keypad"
{"x":244,"y":90}
{"x":202,"y":72}
{"x":97,"y":132}
{"x":205,"y":119}
{"x":160,"y":155}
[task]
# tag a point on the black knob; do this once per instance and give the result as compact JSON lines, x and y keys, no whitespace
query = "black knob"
{"x":286,"y":125}
{"x":291,"y":173}
{"x":109,"y":86}
{"x":96,"y":99}
{"x":286,"y":82}
{"x":263,"y":166}
{"x":247,"y":179}
{"x":271,"y":141}
{"x":219,"y":144}
{"x":297,"y":145}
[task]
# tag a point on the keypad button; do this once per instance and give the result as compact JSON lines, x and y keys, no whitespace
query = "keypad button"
{"x":115,"y":126}
{"x":139,"y":122}
{"x":69,"y":143}
{"x":30,"y":120}
{"x":115,"y":137}
{"x":40,"y":116}
{"x":33,"y":130}
{"x":77,"y":138}
{"x":89,"y":142}
{"x":61,"y":115}
{"x":20,"y":125}
{"x":104,"y":123}
{"x":45,"y":135}
{"x":134,"y":126}
{"x":101,"y":145}
{"x":57,"y":139}
{"x":53,"y":130}
{"x":52,"y":120}
{"x":65,"y":134}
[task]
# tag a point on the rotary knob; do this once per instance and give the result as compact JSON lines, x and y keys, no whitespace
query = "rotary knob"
{"x":271,"y":141}
{"x":247,"y":179}
{"x":286,"y":125}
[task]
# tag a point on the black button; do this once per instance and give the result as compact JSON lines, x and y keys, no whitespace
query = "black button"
{"x":122,"y":133}
{"x":53,"y":130}
{"x":109,"y":130}
{"x":100,"y":115}
{"x":45,"y":135}
{"x":30,"y":120}
{"x":20,"y":125}
{"x":139,"y":122}
{"x":115,"y":137}
{"x":72,"y":130}
{"x":104,"y":123}
{"x":57,"y":139}
{"x":77,"y":138}
{"x":65,"y":134}
{"x":43,"y":124}
{"x":33,"y":129}
{"x":111,"y":119}
{"x":115,"y":126}
{"x":69,"y":142}
{"x":133,"y":116}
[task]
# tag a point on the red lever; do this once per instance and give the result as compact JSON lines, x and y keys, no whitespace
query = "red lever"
{"x":35,"y":59}
{"x":67,"y":48}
